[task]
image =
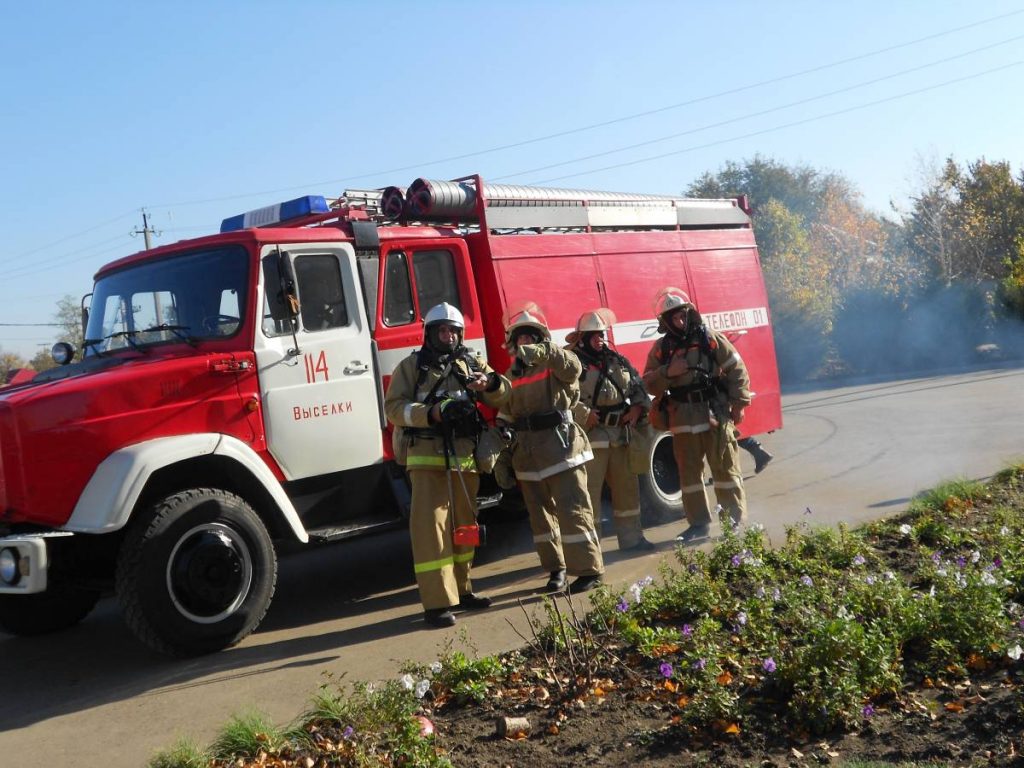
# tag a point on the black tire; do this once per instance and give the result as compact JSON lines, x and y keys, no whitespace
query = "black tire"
{"x":58,"y":608}
{"x":197,"y":574}
{"x":661,"y":499}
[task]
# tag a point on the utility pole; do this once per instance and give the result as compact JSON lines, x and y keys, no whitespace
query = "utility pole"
{"x":146,"y":229}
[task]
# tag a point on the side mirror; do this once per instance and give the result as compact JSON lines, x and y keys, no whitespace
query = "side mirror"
{"x":85,"y":314}
{"x":282,"y":299}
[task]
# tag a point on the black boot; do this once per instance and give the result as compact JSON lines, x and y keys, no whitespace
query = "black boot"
{"x":755,"y":449}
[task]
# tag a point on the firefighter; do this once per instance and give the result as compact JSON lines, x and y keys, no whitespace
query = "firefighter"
{"x":549,"y":452}
{"x":702,"y":384}
{"x":432,"y":402}
{"x":612,"y":402}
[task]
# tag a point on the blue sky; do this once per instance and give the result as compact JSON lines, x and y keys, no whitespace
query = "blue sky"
{"x":198,"y":110}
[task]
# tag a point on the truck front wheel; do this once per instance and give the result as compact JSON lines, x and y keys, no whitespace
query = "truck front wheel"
{"x":661,"y":498}
{"x":58,"y":608}
{"x":197,"y":574}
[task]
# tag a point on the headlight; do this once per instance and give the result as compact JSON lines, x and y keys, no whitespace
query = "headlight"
{"x":9,"y":573}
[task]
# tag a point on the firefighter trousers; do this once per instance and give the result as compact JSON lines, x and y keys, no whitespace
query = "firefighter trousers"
{"x":562,"y":522}
{"x":719,"y":447}
{"x":611,"y":466}
{"x":442,"y":568}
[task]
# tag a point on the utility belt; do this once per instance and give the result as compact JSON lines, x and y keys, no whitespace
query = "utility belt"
{"x":612,"y":415}
{"x":692,"y":394}
{"x":538,"y":421}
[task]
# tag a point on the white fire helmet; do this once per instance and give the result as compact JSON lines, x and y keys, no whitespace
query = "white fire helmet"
{"x":530,"y":316}
{"x":443,"y":314}
{"x":595,"y":320}
{"x":668,"y":301}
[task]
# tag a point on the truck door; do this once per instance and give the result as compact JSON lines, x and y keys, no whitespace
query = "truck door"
{"x":319,"y":392}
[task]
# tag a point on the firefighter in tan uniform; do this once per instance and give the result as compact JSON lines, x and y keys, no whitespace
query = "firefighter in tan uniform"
{"x":704,"y":388}
{"x":431,"y":401}
{"x":612,"y":401}
{"x":549,"y":452}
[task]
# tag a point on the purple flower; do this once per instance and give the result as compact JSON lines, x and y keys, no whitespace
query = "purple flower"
{"x":700,"y":664}
{"x":806,"y":581}
{"x":1021,"y":623}
{"x":859,"y":560}
{"x":347,"y":733}
{"x":688,"y":630}
{"x":736,"y":560}
{"x":936,"y":557}
{"x":666,"y":669}
{"x":622,"y":605}
{"x":868,"y":711}
{"x":997,"y":561}
{"x":768,"y":665}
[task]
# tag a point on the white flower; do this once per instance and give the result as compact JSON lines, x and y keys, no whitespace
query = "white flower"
{"x":940,"y":572}
{"x":975,"y":556}
{"x":889,"y":575}
{"x":1015,"y":652}
{"x":988,"y":579}
{"x":1004,"y":531}
{"x":905,"y":529}
{"x":931,"y":592}
{"x":756,"y":527}
{"x":407,"y":682}
{"x":637,"y":590}
{"x":421,"y":688}
{"x":435,"y":668}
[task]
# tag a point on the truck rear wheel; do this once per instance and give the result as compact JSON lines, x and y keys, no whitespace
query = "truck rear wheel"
{"x":661,"y":498}
{"x":198,"y":574}
{"x":58,"y":608}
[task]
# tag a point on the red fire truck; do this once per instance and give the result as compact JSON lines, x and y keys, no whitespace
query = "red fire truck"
{"x":229,"y":394}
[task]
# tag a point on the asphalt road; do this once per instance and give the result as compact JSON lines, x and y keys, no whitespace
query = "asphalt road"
{"x":93,"y":696}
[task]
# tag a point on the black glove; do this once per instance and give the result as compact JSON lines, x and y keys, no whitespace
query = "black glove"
{"x":460,"y":418}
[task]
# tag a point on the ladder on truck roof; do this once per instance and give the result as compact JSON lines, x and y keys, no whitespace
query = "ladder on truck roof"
{"x":511,"y":206}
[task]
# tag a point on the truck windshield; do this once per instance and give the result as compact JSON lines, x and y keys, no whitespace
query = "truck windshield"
{"x":192,"y":297}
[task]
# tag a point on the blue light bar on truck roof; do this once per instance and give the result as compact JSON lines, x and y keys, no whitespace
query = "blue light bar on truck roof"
{"x":275,"y":214}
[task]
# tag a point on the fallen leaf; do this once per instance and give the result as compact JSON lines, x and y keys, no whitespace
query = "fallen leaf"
{"x":954,"y":706}
{"x":682,"y":701}
{"x":832,"y":753}
{"x":796,"y":753}
{"x":975,"y":699}
{"x":725,"y":678}
{"x":553,"y":729}
{"x":668,"y":685}
{"x":732,"y":728}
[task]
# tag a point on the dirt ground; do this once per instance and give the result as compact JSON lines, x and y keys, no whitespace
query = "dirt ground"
{"x":973,"y":723}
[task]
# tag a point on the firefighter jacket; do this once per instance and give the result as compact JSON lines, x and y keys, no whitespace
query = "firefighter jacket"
{"x":715,"y":379}
{"x":423,"y":380}
{"x":545,"y":391}
{"x":610,"y":386}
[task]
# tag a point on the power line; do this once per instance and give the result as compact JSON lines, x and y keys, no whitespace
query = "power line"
{"x":763,"y":112}
{"x":614,"y":121}
{"x":786,"y":125}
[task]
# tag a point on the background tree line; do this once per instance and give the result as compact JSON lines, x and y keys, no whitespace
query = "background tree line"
{"x":938,"y":283}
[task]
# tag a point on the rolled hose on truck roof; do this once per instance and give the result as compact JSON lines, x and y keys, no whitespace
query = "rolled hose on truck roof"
{"x":430,"y":199}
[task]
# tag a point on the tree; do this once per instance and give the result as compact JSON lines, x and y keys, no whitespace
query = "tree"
{"x":965,"y":222}
{"x":9,"y":362}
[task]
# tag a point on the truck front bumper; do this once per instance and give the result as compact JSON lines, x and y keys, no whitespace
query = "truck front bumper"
{"x":24,"y":562}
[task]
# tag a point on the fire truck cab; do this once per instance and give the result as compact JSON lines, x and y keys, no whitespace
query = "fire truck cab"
{"x":230,"y":391}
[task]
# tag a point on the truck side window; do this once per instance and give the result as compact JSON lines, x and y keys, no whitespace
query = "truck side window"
{"x":435,"y":279}
{"x":321,"y":293}
{"x":398,"y":306}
